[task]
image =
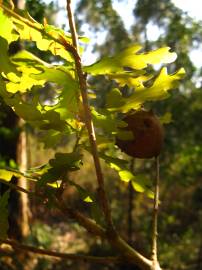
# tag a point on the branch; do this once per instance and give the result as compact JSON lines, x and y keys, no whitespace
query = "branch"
{"x":128,"y":254}
{"x":130,"y":205}
{"x":84,"y":221}
{"x":155,"y":216}
{"x":73,"y":257}
{"x":88,"y":121}
{"x":13,"y":186}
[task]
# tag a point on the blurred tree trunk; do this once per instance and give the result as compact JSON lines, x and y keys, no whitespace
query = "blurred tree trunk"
{"x":19,"y":204}
{"x":22,"y":161}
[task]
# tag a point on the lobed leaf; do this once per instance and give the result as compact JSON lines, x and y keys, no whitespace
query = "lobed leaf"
{"x":60,"y":116}
{"x":107,"y":121}
{"x":157,"y":91}
{"x":131,"y":58}
{"x":59,"y":166}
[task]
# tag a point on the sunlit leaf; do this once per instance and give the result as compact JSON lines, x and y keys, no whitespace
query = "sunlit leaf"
{"x":37,"y":72}
{"x":7,"y":29}
{"x":131,"y":58}
{"x":6,"y":174}
{"x":43,"y":36}
{"x":130,"y":80}
{"x":158,"y":91}
{"x":115,"y":163}
{"x":126,"y":176}
{"x":120,"y":165}
{"x":138,"y":187}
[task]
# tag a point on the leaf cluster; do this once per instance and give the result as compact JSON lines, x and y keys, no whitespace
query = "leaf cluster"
{"x":24,"y":74}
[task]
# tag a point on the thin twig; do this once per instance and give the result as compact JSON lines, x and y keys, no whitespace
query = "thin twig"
{"x":13,"y":186}
{"x":84,"y":221}
{"x":127,"y":252}
{"x":40,"y":28}
{"x":130,"y":204}
{"x":155,"y":215}
{"x":88,"y":120}
{"x":73,"y":257}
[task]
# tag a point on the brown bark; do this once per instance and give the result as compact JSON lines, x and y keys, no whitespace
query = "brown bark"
{"x":24,"y":213}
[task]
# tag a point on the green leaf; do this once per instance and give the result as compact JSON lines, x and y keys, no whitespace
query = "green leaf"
{"x":39,"y":170}
{"x":27,"y":111}
{"x":7,"y":29}
{"x":26,"y":64}
{"x":158,"y":91}
{"x":115,"y":163}
{"x":67,"y":161}
{"x":43,"y":35}
{"x":138,"y":187}
{"x":131,"y":79}
{"x":7,"y":174}
{"x":5,"y":64}
{"x":4,"y":215}
{"x":59,"y":166}
{"x":51,"y":138}
{"x":126,"y":176}
{"x":47,"y":43}
{"x":86,"y":196}
{"x":37,"y":72}
{"x":166,"y":118}
{"x":125,"y":135}
{"x":114,"y":99}
{"x":67,"y":101}
{"x":107,"y":121}
{"x":131,"y":58}
{"x":51,"y":120}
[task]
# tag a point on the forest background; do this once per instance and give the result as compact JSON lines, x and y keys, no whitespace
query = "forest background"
{"x":180,"y":240}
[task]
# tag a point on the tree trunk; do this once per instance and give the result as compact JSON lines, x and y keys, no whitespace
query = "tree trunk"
{"x":19,"y":205}
{"x":22,"y":161}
